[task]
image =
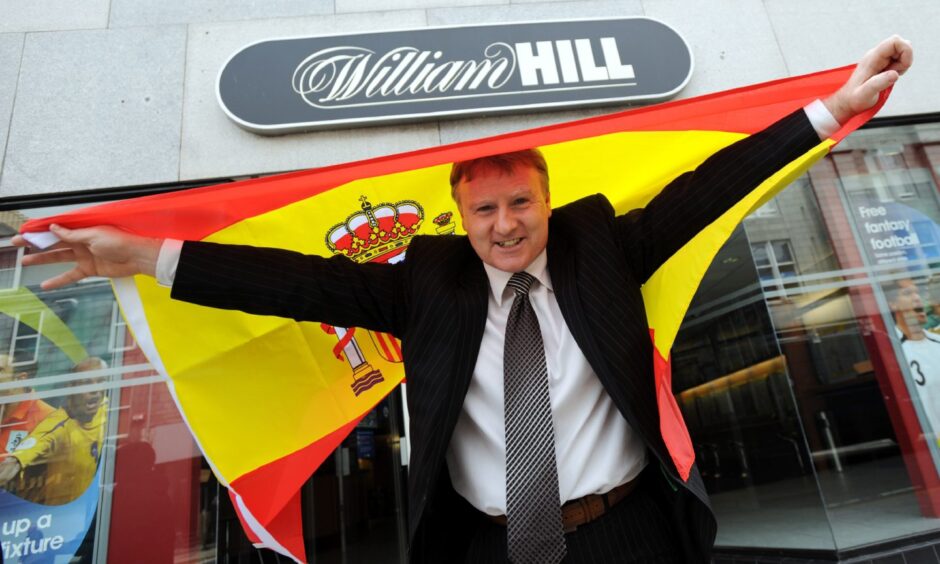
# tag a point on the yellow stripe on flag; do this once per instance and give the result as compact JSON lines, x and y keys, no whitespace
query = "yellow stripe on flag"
{"x":669,"y":291}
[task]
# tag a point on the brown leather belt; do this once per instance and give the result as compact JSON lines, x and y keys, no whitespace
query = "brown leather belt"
{"x":581,"y":511}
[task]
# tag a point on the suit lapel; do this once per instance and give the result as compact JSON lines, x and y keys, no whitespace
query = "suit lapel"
{"x":470,"y":319}
{"x":563,"y":268}
{"x":568,"y":282}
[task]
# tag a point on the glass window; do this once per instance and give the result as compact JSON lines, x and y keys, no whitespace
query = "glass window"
{"x":24,"y":344}
{"x":121,"y":338}
{"x":775,"y":263}
{"x":105,"y":467}
{"x":9,"y":267}
{"x":829,"y":414}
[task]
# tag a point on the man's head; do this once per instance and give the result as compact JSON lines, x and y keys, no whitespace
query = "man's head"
{"x":907,"y":307}
{"x":83,"y":406}
{"x":504,"y":207}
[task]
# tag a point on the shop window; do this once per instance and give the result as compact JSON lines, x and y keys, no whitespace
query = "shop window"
{"x":775,"y":264}
{"x":119,"y":339}
{"x":24,"y":344}
{"x":142,"y":490}
{"x":9,"y":267}
{"x":836,"y":417}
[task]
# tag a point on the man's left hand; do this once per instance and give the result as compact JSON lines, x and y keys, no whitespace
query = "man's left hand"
{"x":878,"y":69}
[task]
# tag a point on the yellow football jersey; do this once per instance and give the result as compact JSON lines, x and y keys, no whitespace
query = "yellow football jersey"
{"x":60,"y":457}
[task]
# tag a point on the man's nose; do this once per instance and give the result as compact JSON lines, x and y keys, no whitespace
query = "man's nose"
{"x":505,"y":221}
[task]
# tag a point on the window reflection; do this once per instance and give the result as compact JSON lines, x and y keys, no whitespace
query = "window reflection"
{"x":96,"y":461}
{"x":807,"y":378}
{"x":105,"y":467}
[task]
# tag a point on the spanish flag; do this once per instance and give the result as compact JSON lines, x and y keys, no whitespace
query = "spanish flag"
{"x":268,"y":399}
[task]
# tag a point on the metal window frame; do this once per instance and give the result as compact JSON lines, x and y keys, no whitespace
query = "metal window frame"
{"x":15,"y":336}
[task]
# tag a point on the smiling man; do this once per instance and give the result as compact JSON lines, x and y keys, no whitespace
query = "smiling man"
{"x":504,"y":207}
{"x":534,"y":424}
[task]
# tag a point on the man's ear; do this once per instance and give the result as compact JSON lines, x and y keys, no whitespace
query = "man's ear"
{"x":459,"y":208}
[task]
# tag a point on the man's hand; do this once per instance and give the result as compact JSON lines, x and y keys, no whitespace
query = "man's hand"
{"x":96,"y":251}
{"x":9,"y":468}
{"x":879,"y":68}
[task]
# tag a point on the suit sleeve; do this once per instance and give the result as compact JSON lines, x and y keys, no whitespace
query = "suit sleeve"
{"x":287,"y":284}
{"x":695,"y":199}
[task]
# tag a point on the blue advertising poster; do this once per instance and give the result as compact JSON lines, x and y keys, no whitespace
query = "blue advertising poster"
{"x":896,"y":233}
{"x":32,"y":532}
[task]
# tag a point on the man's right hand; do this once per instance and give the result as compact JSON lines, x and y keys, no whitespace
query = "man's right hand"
{"x":96,"y":251}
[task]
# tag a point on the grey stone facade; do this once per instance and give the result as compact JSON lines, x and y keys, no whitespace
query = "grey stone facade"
{"x":103,"y":94}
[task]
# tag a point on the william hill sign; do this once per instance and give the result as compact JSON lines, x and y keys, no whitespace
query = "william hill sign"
{"x":283,"y":85}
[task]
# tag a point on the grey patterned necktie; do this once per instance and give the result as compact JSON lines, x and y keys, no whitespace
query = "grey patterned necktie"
{"x":533,"y":506}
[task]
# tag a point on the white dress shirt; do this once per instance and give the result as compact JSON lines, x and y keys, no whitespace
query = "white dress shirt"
{"x":595,"y":448}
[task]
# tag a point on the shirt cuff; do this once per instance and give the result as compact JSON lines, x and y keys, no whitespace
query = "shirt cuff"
{"x":821,"y":118}
{"x":167,"y":261}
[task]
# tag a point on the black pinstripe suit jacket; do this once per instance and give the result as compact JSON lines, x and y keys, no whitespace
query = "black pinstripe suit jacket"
{"x":436,"y":300}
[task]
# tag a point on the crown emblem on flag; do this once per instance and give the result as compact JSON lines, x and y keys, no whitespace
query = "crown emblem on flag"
{"x":376,"y":233}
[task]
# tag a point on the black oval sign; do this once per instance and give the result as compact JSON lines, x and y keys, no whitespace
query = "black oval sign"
{"x":283,"y":85}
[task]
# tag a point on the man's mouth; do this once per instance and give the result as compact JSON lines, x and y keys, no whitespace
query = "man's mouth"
{"x":509,"y":243}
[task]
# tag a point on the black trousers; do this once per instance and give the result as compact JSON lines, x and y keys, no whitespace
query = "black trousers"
{"x":636,"y":530}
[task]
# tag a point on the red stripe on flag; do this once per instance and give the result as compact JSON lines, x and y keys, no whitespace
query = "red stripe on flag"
{"x":381,"y":339}
{"x":398,"y":356}
{"x":286,"y":527}
{"x":671,"y":424}
{"x":197,"y":213}
{"x":267,"y":489}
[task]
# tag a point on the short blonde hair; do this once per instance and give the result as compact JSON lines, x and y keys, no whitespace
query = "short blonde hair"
{"x":505,"y":163}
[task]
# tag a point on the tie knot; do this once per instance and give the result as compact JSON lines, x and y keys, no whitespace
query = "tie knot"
{"x":521,"y":282}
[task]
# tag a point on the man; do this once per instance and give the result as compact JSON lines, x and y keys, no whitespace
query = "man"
{"x":58,"y":460}
{"x":534,"y":425}
{"x":17,"y":418}
{"x":921,"y":347}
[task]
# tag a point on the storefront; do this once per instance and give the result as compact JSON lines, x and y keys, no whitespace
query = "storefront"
{"x":804,"y":367}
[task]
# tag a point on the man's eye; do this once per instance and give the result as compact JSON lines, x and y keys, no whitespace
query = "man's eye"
{"x":484,"y":209}
{"x":520,"y":201}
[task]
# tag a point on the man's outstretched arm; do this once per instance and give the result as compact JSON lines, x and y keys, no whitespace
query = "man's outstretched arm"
{"x":260,"y":281}
{"x":696,"y":198}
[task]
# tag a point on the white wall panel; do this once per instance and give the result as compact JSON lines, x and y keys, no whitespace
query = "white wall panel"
{"x":96,"y":109}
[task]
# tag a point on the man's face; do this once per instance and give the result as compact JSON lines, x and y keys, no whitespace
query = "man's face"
{"x":505,"y":216}
{"x":83,"y":406}
{"x":909,"y":304}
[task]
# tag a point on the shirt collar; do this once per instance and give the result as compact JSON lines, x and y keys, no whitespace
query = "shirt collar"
{"x":500,"y":278}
